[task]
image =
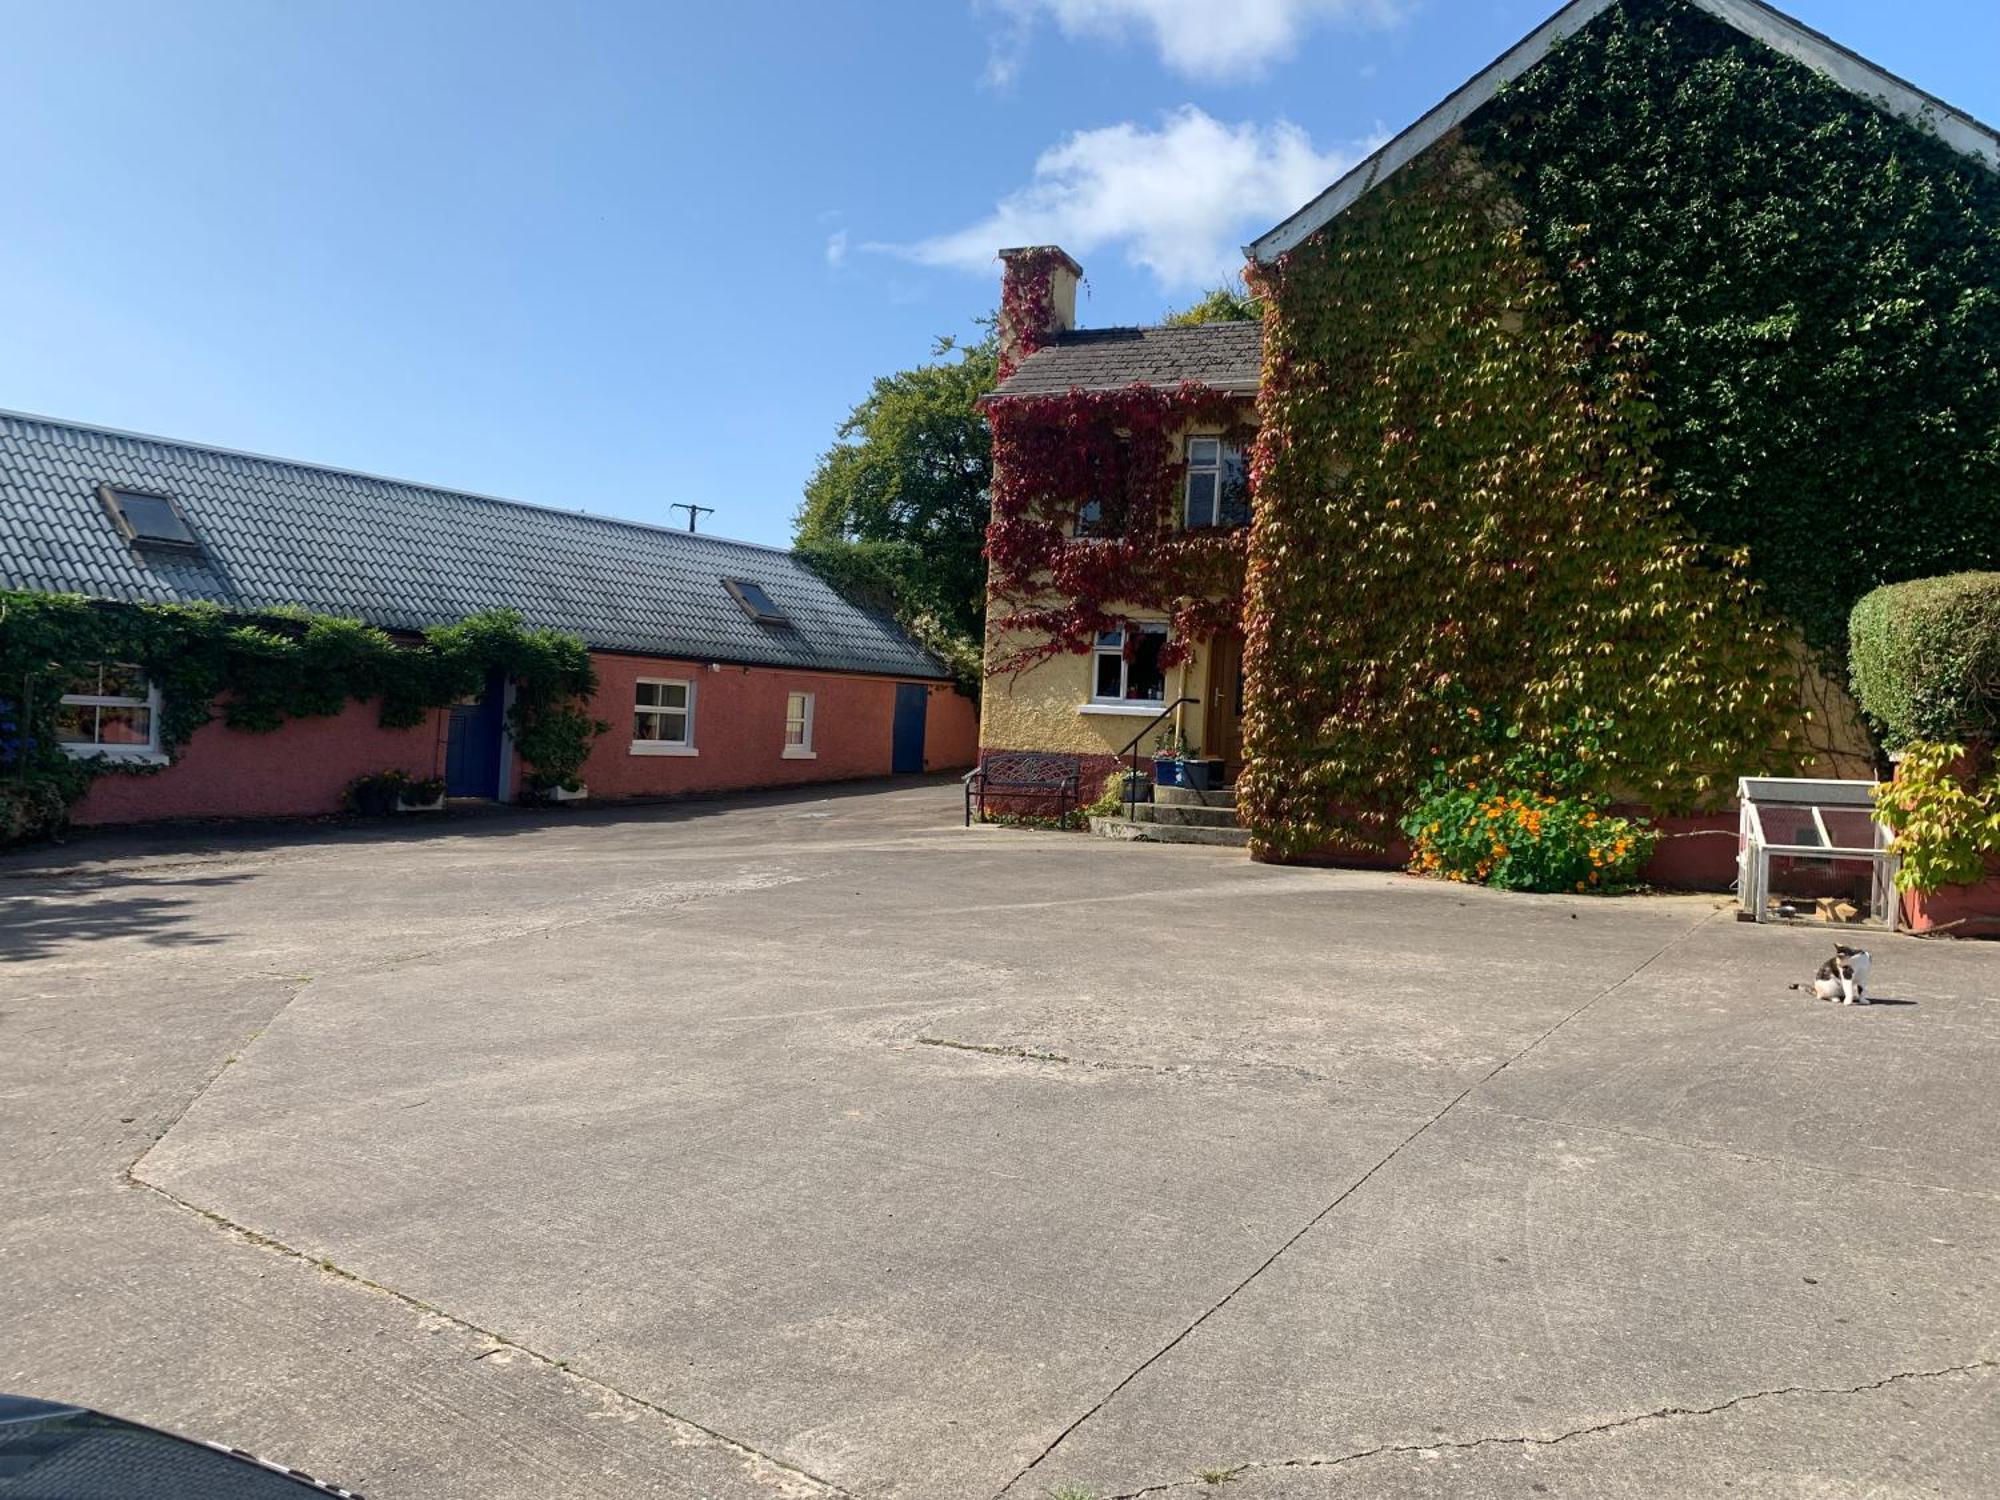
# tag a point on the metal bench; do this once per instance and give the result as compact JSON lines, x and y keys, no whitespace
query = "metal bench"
{"x":1030,"y":773}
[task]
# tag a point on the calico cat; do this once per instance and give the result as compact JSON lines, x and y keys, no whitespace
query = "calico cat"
{"x":1843,"y":978}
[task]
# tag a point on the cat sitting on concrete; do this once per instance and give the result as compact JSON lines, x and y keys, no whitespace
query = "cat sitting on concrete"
{"x":1842,"y":978}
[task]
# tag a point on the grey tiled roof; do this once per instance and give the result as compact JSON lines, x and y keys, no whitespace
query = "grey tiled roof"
{"x":1227,"y":356}
{"x":403,"y":556}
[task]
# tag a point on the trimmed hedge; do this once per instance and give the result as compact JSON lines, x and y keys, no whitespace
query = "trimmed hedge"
{"x":1925,"y":658}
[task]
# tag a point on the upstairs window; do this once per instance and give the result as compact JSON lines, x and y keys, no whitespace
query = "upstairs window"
{"x":1135,"y":678}
{"x":1218,"y":485}
{"x":757,"y":604}
{"x":799,"y":726}
{"x":663,"y":717}
{"x":148,"y":519}
{"x":109,"y":710}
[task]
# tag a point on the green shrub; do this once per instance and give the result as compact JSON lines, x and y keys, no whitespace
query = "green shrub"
{"x":1528,"y":821}
{"x":31,"y":809}
{"x":1925,"y":658}
{"x":1944,"y":807}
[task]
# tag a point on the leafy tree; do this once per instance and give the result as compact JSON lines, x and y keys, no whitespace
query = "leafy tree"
{"x":895,"y":513}
{"x":1231,"y":302}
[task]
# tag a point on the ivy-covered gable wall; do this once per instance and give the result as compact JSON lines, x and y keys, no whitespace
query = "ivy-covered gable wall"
{"x":1572,"y":427}
{"x":1817,"y":282}
{"x":1460,"y":529}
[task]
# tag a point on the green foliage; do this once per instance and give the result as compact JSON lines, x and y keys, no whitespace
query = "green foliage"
{"x":1111,"y":801}
{"x":1230,"y":303}
{"x":1460,"y":521}
{"x":886,"y":577}
{"x":1944,"y":807}
{"x":897,"y":508}
{"x":1817,"y":282}
{"x":31,"y":808}
{"x":262,"y":671}
{"x":1528,"y":819}
{"x":1925,"y":658}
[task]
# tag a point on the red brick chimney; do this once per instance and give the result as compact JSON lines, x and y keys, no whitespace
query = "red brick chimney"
{"x":1037,"y":300}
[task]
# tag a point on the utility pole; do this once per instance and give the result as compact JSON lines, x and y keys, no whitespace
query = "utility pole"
{"x":693,"y":511}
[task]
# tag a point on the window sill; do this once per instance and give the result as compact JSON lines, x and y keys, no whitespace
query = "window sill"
{"x":1147,"y":710}
{"x":134,"y":756}
{"x":797,"y":752}
{"x":644,"y":747}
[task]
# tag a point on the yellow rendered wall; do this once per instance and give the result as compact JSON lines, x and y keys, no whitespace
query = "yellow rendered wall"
{"x":1040,"y":709}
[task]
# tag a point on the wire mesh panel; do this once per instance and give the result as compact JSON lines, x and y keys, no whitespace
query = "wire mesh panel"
{"x":1811,"y":850}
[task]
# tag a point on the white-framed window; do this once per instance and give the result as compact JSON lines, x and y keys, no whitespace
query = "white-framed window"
{"x":663,"y":716}
{"x":1134,"y":677}
{"x":799,"y":726}
{"x":1218,"y":485}
{"x":110,"y":710}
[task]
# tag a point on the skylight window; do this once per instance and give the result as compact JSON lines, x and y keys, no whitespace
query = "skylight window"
{"x":153,"y":520}
{"x":756,"y":603}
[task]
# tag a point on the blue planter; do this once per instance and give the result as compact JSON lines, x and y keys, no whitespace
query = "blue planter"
{"x":1167,"y":773}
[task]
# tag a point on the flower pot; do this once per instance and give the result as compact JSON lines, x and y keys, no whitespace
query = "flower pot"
{"x":1194,"y":775}
{"x":1167,"y":773}
{"x":1135,"y":788}
{"x":374,"y":801}
{"x":564,"y":794}
{"x":405,"y":805}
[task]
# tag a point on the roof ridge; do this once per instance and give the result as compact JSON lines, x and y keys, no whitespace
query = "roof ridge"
{"x":1757,"y":20}
{"x":192,"y":446}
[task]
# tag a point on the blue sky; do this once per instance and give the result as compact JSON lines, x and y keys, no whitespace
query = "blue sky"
{"x":617,"y":255}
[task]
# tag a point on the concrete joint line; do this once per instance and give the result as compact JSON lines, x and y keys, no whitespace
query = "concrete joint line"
{"x":1354,"y":1187}
{"x":130,"y":1176}
{"x":1531,"y":1440}
{"x":826,"y":1488}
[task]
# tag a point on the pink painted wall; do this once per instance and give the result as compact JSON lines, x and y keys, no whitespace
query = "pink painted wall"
{"x":739,"y":729}
{"x":299,"y":769}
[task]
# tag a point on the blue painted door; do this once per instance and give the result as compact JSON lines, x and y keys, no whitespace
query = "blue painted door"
{"x":472,"y":753}
{"x":907,"y":754}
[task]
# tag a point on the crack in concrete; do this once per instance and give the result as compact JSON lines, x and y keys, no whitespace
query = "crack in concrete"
{"x":1352,"y":1188}
{"x":762,"y":1466}
{"x":1240,"y":1071}
{"x":1532,"y":1440}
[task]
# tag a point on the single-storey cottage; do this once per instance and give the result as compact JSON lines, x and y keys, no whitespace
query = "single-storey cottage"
{"x":719,"y":664}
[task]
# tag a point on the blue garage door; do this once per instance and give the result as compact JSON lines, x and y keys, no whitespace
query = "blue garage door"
{"x":907,"y":755}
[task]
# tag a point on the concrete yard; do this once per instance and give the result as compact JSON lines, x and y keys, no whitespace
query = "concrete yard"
{"x":815,"y":1145}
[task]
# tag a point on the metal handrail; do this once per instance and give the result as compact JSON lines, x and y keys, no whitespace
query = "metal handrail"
{"x":1132,"y":772}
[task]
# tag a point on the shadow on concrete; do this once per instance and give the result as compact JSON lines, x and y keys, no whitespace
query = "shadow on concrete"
{"x":225,"y":837}
{"x":42,"y":917}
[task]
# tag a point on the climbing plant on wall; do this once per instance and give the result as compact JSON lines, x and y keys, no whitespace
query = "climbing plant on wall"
{"x":257,"y":672}
{"x":1817,"y":281}
{"x":1460,"y":520}
{"x":1083,"y":539}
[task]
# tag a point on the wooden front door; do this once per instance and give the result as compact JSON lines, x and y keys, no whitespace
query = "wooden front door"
{"x":1222,"y":713}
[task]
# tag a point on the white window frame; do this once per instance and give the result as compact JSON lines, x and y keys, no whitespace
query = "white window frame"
{"x":804,"y":749}
{"x":682,"y":746}
{"x":149,"y":753}
{"x":1218,"y":469}
{"x":1122,"y":704}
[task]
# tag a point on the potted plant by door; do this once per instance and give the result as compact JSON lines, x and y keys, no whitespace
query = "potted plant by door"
{"x":1170,"y":759}
{"x":421,"y":796}
{"x":376,"y":794}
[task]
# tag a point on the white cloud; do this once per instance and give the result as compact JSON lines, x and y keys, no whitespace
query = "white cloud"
{"x":836,"y":249}
{"x":1201,"y":38}
{"x":1178,"y":200}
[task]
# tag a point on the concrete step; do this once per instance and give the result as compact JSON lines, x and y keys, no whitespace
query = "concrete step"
{"x":1184,"y":816}
{"x":1184,"y":796}
{"x":1168,"y":833}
